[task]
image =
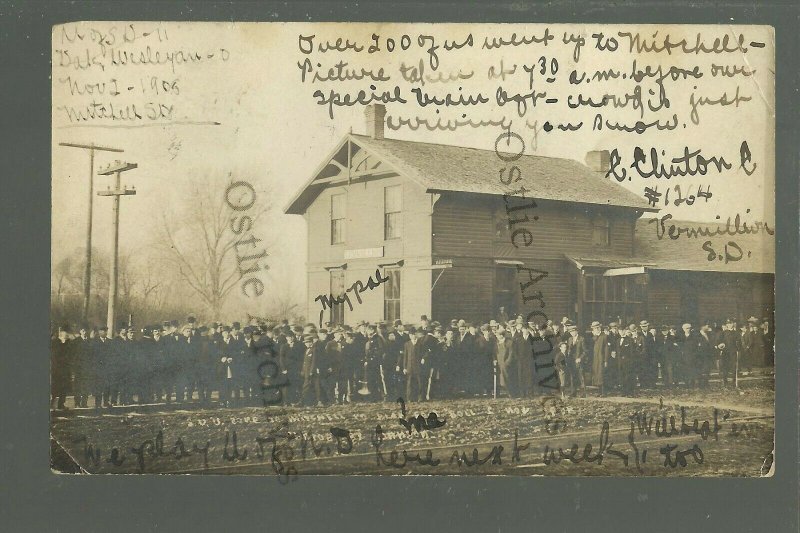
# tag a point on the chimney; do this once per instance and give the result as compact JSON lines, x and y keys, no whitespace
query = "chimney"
{"x":375,"y":114}
{"x":599,"y":161}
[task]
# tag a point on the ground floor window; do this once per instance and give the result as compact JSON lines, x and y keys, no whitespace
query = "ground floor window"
{"x":618,"y":298}
{"x":391,"y":294}
{"x":337,"y":289}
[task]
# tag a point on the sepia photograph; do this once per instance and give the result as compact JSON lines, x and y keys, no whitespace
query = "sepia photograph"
{"x":290,"y":249}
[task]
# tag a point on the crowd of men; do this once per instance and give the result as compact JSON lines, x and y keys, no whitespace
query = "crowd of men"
{"x":306,"y":365}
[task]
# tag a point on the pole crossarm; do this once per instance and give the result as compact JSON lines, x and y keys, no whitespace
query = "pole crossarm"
{"x":117,"y":167}
{"x":92,"y":147}
{"x":117,"y":192}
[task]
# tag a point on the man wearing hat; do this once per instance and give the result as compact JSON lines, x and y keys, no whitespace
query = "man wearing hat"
{"x":449,"y":371}
{"x":612,"y":375}
{"x":288,"y":361}
{"x":560,"y":365}
{"x":648,"y":368}
{"x":100,"y":347}
{"x":294,"y":364}
{"x":236,"y":331}
{"x":690,"y":344}
{"x":504,"y":357}
{"x":81,"y":366}
{"x":117,"y":364}
{"x":481,"y":378}
{"x":132,"y":370}
{"x":705,"y":355}
{"x":310,"y":373}
{"x":361,"y":334}
{"x":630,"y":353}
{"x":424,"y":323}
{"x":467,"y":363}
{"x":522,"y":341}
{"x":600,"y":357}
{"x":207,"y":349}
{"x":335,"y":382}
{"x":226,"y":350}
{"x":668,"y":348}
{"x":757,"y":343}
{"x":322,"y":366}
{"x":728,"y":345}
{"x":374,"y":355}
{"x":563,"y":329}
{"x":747,"y":342}
{"x":60,"y":362}
{"x":395,"y":344}
{"x":576,"y":356}
{"x":173,"y":344}
{"x":156,"y":349}
{"x":352,"y":367}
{"x":247,"y":378}
{"x":411,"y":365}
{"x":188,"y":355}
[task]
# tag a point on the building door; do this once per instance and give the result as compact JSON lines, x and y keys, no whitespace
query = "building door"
{"x":506,"y":291}
{"x":337,"y":289}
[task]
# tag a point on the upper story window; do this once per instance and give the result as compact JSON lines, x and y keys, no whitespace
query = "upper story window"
{"x":392,"y":207}
{"x":601,"y":231}
{"x":338,"y":218}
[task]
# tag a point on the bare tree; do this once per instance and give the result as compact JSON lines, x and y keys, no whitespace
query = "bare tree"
{"x":285,"y":299}
{"x":150,"y":286}
{"x":200,"y":241}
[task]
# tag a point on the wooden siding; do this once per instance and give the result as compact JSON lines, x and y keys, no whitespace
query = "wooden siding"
{"x":467,"y":290}
{"x":718,"y":295}
{"x":663,"y":303}
{"x":463,"y":292}
{"x":472,"y":226}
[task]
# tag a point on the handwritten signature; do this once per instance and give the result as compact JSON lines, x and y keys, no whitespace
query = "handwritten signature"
{"x":329,"y":300}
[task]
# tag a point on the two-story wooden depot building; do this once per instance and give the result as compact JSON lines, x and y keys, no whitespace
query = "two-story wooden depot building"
{"x":432,"y":219}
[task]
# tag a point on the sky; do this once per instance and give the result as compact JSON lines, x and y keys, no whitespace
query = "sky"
{"x":243,"y":110}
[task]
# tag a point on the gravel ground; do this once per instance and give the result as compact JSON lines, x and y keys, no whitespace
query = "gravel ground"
{"x":733,"y":436}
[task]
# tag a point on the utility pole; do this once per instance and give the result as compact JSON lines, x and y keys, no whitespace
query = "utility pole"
{"x":116,"y":168}
{"x":87,"y":273}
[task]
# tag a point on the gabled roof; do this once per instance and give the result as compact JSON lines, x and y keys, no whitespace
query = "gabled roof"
{"x":440,"y":168}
